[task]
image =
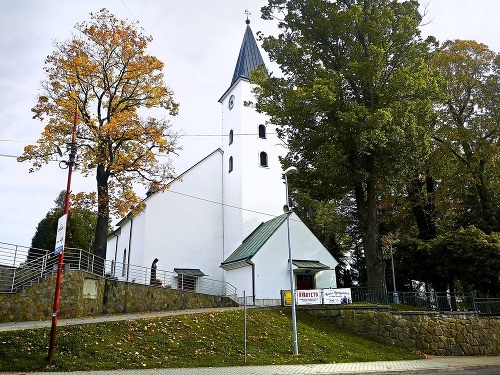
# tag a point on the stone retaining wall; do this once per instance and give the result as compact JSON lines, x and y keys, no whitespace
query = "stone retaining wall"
{"x":83,"y":294}
{"x":123,"y":297}
{"x":429,"y":332}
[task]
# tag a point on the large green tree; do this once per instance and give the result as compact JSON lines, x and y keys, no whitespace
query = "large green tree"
{"x":331,"y":227}
{"x":81,"y":226}
{"x":467,"y":133}
{"x":106,"y":73}
{"x":352,"y":102}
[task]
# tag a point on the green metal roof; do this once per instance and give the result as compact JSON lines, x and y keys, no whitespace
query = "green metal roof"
{"x":189,"y":272}
{"x":312,"y":264}
{"x":255,"y":240}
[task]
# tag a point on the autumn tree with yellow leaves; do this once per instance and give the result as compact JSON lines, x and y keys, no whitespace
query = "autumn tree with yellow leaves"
{"x":105,"y":73}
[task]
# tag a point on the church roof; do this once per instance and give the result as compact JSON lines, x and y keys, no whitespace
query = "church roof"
{"x":249,"y":57}
{"x":189,"y":272}
{"x":255,"y":240}
{"x":309,"y":264}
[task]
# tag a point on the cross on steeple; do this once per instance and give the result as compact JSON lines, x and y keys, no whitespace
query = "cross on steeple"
{"x":247,"y":12}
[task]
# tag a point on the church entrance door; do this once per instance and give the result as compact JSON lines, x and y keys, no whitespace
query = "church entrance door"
{"x":305,"y":282}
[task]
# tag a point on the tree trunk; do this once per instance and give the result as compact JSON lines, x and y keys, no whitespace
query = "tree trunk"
{"x":366,"y":202}
{"x":423,"y":207}
{"x":101,"y":233}
{"x":487,"y":211}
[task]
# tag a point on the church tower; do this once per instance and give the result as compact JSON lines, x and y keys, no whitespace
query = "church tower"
{"x":253,"y":188}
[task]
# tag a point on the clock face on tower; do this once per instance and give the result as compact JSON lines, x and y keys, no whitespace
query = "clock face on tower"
{"x":231,"y":102}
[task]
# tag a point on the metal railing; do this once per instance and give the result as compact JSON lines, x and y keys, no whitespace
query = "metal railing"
{"x":487,"y":306}
{"x":22,"y":266}
{"x":437,"y":301}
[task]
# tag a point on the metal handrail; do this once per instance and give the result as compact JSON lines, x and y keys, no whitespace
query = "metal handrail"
{"x":41,"y":263}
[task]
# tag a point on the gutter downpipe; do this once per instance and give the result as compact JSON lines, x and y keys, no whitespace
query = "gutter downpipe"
{"x":248,"y":261}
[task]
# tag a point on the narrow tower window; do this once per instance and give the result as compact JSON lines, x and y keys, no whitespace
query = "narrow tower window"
{"x":231,"y":136}
{"x":262,"y":131}
{"x":230,"y":163}
{"x":263,"y":159}
{"x":124,"y":261}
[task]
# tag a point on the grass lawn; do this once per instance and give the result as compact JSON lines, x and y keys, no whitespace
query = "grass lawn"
{"x":197,"y":340}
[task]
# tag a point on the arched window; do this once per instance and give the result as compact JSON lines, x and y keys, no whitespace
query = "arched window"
{"x":263,"y":159}
{"x":231,"y":136}
{"x":230,"y":163}
{"x":262,"y":131}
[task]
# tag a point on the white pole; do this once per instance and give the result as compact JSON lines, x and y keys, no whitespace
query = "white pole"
{"x":245,"y":324}
{"x":290,"y":269}
{"x":395,"y":296}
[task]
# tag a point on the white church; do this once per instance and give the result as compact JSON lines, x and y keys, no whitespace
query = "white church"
{"x":230,"y":227}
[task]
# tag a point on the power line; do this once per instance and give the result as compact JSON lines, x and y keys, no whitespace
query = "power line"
{"x":221,"y":135}
{"x":183,"y":135}
{"x":16,"y":140}
{"x":220,"y":203}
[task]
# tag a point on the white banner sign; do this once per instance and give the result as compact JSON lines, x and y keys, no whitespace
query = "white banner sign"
{"x":61,"y":234}
{"x":337,"y":296}
{"x":308,"y":297}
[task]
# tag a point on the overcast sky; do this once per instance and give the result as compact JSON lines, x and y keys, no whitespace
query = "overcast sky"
{"x":198,"y":40}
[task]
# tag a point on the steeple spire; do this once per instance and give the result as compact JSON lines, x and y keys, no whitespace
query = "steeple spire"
{"x":249,"y":57}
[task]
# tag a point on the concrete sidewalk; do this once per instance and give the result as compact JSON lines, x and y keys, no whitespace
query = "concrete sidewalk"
{"x":393,"y":367}
{"x":13,"y":326}
{"x":428,"y":365}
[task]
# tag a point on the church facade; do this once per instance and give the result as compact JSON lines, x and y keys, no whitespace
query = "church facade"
{"x":230,"y":227}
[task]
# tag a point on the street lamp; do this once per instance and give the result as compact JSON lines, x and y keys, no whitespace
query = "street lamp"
{"x":288,"y":171}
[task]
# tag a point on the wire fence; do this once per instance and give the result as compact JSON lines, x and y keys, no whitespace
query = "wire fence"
{"x":22,"y":266}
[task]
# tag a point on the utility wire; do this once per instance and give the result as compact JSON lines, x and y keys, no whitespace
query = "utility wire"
{"x":182,"y":135}
{"x":219,"y":203}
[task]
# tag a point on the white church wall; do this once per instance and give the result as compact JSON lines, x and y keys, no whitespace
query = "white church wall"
{"x":111,"y":254}
{"x":125,"y":250}
{"x":271,"y":266}
{"x":117,"y":251}
{"x":253,"y":194}
{"x":184,"y":223}
{"x":305,"y":244}
{"x":271,"y":261}
{"x":136,"y":256}
{"x":241,"y":279}
{"x":262,"y":187}
{"x":182,"y":227}
{"x":232,"y":188}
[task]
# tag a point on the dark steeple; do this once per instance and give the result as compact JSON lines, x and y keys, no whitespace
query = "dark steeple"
{"x":249,"y":57}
